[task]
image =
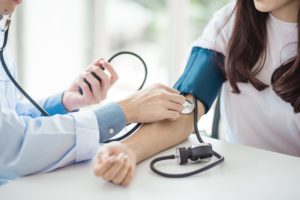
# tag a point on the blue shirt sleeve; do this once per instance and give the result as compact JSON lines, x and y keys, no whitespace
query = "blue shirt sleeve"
{"x":111,"y":120}
{"x":53,"y":105}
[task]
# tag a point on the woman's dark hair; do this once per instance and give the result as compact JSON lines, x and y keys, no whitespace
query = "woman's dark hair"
{"x":247,"y":55}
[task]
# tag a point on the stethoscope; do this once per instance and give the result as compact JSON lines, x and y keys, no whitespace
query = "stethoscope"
{"x":201,"y":152}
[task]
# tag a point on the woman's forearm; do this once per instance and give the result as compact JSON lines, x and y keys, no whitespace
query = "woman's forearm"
{"x":156,"y":137}
{"x":116,"y":162}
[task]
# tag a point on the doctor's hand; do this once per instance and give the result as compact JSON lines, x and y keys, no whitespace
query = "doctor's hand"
{"x":91,"y":87}
{"x":115,"y":162}
{"x":156,"y":103}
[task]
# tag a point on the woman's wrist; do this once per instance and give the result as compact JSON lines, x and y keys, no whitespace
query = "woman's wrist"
{"x":134,"y":150}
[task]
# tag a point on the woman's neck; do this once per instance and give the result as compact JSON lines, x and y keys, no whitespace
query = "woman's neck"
{"x":289,"y":12}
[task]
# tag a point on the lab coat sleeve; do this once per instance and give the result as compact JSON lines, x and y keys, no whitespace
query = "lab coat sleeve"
{"x":30,"y":145}
{"x":53,"y":105}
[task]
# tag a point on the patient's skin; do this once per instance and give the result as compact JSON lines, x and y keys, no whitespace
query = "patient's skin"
{"x":153,"y":138}
{"x":116,"y":161}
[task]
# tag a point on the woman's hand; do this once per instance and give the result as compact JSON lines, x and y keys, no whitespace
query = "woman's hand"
{"x":115,"y":162}
{"x":91,"y":87}
{"x":153,"y":104}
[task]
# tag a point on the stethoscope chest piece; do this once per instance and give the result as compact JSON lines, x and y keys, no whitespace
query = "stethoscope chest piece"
{"x":4,"y":22}
{"x":188,"y":107}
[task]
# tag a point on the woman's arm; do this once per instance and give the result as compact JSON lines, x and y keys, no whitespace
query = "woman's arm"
{"x":156,"y":137}
{"x":116,"y":161}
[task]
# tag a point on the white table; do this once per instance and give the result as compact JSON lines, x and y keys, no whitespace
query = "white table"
{"x":247,"y":173}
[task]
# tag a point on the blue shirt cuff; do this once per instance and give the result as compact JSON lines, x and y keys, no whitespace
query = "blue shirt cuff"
{"x":53,"y":105}
{"x":111,"y":120}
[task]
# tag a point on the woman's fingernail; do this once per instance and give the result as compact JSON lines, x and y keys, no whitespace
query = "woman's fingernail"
{"x":105,"y":157}
{"x":124,"y":156}
{"x":121,"y":155}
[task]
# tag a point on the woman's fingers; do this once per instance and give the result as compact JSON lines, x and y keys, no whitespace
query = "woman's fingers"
{"x":113,"y":163}
{"x":117,"y":165}
{"x":104,"y":160}
{"x":101,"y":165}
{"x":121,"y":175}
{"x":128,"y":177}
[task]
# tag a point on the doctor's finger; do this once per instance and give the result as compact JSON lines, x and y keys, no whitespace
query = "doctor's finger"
{"x":171,"y":115}
{"x":105,"y":80}
{"x":95,"y":86}
{"x":99,"y":62}
{"x":174,"y":106}
{"x":101,"y":75}
{"x":86,"y":92}
{"x":169,"y":89}
{"x":176,"y":98}
{"x":113,"y":74}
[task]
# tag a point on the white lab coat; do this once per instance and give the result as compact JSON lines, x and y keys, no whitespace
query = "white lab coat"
{"x":30,"y":143}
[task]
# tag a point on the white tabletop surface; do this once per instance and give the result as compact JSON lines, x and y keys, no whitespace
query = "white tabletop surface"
{"x":247,"y":173}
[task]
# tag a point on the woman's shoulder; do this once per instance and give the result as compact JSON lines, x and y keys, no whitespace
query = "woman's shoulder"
{"x":217,"y":32}
{"x":226,"y":10}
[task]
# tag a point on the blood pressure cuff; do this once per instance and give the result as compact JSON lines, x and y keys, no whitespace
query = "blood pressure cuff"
{"x":202,"y":76}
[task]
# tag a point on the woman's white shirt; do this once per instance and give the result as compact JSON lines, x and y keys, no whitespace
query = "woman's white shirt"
{"x":257,"y":118}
